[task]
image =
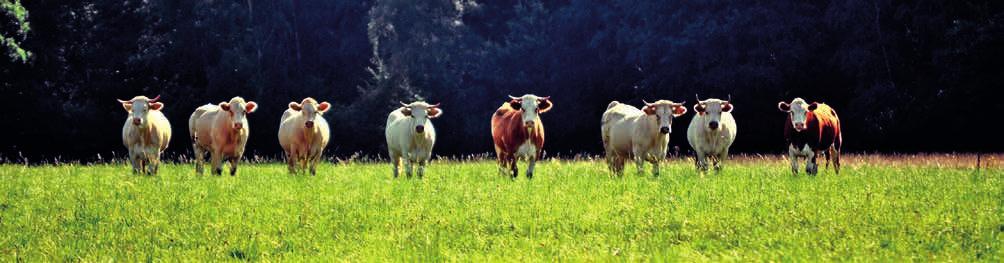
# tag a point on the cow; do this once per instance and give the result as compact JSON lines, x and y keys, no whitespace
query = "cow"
{"x":641,"y":135}
{"x":303,"y":134}
{"x":711,"y":132}
{"x":811,"y":129}
{"x":411,"y":136}
{"x":518,"y":132}
{"x":222,"y":131}
{"x":146,"y":133}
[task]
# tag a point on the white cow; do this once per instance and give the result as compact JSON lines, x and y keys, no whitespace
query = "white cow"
{"x":222,"y":131}
{"x":642,"y":135}
{"x":712,"y":132}
{"x":303,"y":134}
{"x":410,"y":135}
{"x":146,"y":133}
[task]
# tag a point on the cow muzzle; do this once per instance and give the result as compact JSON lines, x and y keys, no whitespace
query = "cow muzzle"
{"x":420,"y":128}
{"x":238,"y":125}
{"x":713,"y":125}
{"x":137,"y":121}
{"x":664,"y":130}
{"x":800,"y":126}
{"x":309,"y":124}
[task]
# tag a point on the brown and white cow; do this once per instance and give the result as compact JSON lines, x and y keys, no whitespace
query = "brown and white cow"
{"x":146,"y":133}
{"x":222,"y":131}
{"x":518,"y":132}
{"x":641,"y":135}
{"x":811,"y":129}
{"x":303,"y":134}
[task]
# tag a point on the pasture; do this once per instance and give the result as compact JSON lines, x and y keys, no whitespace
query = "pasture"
{"x":879,"y":208}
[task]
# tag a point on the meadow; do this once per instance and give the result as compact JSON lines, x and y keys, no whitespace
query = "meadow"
{"x":918,"y":208}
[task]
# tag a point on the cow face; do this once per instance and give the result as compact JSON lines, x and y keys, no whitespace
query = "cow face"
{"x":310,"y":110}
{"x":664,"y":112}
{"x":238,"y":111}
{"x":531,"y":107}
{"x":798,"y":110}
{"x":712,"y":110}
{"x":420,"y":113}
{"x":139,"y":107}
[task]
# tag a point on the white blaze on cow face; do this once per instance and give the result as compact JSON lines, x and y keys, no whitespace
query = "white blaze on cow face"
{"x":664,"y":112}
{"x":238,"y":110}
{"x":712,"y":110}
{"x":420,"y":113}
{"x":139,"y":108}
{"x":531,"y":107}
{"x":310,"y":110}
{"x":798,"y":109}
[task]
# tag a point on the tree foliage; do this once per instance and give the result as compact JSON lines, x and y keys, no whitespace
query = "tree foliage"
{"x":904,"y":76}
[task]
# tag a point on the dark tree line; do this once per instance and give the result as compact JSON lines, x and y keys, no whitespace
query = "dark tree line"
{"x":905,"y":76}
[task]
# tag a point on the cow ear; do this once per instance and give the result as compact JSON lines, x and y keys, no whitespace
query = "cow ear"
{"x":650,"y":110}
{"x":727,"y":107}
{"x":679,"y":110}
{"x":250,"y":107}
{"x":544,"y":106}
{"x":699,"y":107}
{"x":127,"y":105}
{"x":295,"y":106}
{"x":813,"y":106}
{"x":435,"y":112}
{"x":406,"y":111}
{"x":323,"y":107}
{"x":785,"y":107}
{"x":516,"y":104}
{"x":225,"y":106}
{"x":156,"y":106}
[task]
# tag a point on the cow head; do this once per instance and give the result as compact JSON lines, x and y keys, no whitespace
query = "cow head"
{"x":531,"y":107}
{"x":799,"y":111}
{"x":138,"y":108}
{"x":238,"y":111}
{"x":664,"y":112}
{"x":310,"y":109}
{"x":420,"y":113}
{"x":712,"y":110}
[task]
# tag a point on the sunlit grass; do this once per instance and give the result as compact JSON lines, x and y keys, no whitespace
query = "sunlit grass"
{"x":571,"y":210}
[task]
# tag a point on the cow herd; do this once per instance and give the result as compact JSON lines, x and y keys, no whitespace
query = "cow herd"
{"x":221,"y":130}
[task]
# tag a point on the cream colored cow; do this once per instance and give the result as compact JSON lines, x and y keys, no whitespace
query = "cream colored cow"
{"x":146,"y":133}
{"x":222,"y":131}
{"x":641,"y":135}
{"x":410,"y":135}
{"x":712,"y":132}
{"x":303,"y":134}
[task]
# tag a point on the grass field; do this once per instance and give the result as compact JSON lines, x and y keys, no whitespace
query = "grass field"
{"x":885,"y":209}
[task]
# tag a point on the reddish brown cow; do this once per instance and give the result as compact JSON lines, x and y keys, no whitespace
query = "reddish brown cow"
{"x":518,"y":132}
{"x":811,"y":129}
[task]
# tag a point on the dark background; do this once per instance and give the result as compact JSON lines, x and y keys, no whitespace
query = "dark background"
{"x":905,"y":76}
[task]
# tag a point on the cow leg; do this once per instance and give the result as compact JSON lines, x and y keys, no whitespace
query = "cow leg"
{"x":513,"y":168}
{"x":532,"y":162}
{"x":154,"y":161}
{"x":216,"y":162}
{"x":199,"y":158}
{"x":313,"y":163}
{"x":408,"y":166}
{"x":793,"y":158}
{"x":133,"y":162}
{"x":810,"y":163}
{"x":655,"y":166}
{"x":702,"y":161}
{"x":836,"y":160}
{"x":421,"y":169}
{"x":395,"y":161}
{"x":720,"y":159}
{"x":233,"y":165}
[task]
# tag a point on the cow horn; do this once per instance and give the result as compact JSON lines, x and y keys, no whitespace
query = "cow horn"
{"x":435,"y":105}
{"x":154,"y":99}
{"x":515,"y":98}
{"x":402,"y":103}
{"x":680,"y":104}
{"x":646,"y":102}
{"x":730,"y":99}
{"x":697,"y":97}
{"x":544,"y":98}
{"x":124,"y":101}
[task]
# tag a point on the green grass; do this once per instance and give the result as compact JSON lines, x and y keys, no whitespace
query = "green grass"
{"x":465,"y":211}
